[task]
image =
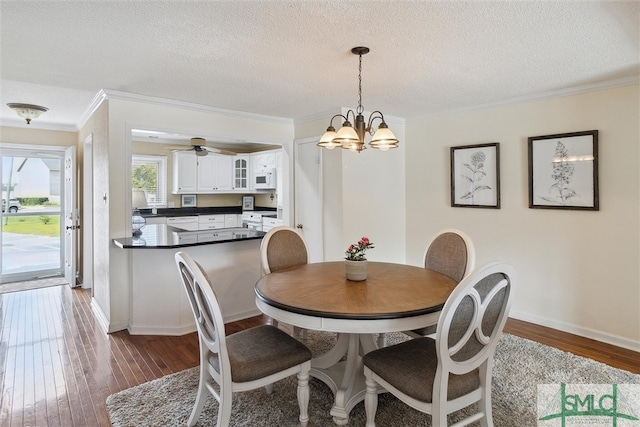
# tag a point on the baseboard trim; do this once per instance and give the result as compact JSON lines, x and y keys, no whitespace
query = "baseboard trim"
{"x":102,"y":320}
{"x":242,"y":316}
{"x":616,"y":340}
{"x":153,"y":330}
{"x":100,"y":317}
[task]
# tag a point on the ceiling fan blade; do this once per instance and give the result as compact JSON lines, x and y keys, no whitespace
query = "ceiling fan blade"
{"x":220,"y":151}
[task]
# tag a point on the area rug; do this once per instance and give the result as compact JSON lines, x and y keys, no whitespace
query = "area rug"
{"x":520,"y":365}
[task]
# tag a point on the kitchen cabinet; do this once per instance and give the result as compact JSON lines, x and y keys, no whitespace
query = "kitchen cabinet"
{"x":185,"y":175}
{"x":264,"y":161}
{"x":183,"y":222}
{"x":214,"y":222}
{"x":279,"y":181}
{"x":241,"y":179}
{"x":214,"y":173}
{"x":231,"y":220}
{"x":215,"y":235}
{"x":210,"y":222}
{"x":156,"y":219}
{"x":201,"y":174}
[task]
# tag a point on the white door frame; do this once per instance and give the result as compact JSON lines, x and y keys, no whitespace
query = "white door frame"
{"x":87,"y":213}
{"x":70,"y":215}
{"x":298,"y":205}
{"x":19,"y":150}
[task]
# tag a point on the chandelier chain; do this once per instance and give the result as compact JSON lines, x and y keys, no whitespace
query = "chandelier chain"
{"x":360,"y":109}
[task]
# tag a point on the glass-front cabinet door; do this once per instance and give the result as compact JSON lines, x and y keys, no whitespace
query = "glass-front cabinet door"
{"x":241,"y":173}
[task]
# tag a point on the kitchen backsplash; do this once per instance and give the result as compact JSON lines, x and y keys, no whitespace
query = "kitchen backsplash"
{"x":207,"y":200}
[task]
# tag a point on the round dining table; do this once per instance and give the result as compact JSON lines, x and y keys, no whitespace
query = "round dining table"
{"x":393,"y":298}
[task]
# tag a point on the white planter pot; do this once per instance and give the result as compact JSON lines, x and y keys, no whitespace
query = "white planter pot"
{"x":356,"y":270}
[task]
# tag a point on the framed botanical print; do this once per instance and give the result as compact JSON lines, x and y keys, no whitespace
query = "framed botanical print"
{"x":475,"y":176}
{"x":563,"y":171}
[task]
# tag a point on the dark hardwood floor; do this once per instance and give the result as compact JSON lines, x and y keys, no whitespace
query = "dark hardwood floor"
{"x":57,"y":367}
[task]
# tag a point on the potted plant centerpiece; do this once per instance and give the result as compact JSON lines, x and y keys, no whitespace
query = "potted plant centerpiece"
{"x":355,"y":260}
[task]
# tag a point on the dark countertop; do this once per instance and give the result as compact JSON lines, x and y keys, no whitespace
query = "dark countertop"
{"x":160,"y":236}
{"x":217,"y":210}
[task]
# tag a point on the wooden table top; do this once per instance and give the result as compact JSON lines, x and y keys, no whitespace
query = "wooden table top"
{"x":390,"y":291}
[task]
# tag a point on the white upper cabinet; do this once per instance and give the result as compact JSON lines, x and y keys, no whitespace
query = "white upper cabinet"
{"x":279,"y":181}
{"x":201,"y":174}
{"x":185,"y":172}
{"x":241,"y":171}
{"x":264,"y":161}
{"x":224,"y":172}
{"x":216,"y":173}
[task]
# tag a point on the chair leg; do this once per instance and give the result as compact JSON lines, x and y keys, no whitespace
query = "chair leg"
{"x":224,"y":410}
{"x":484,"y":404}
{"x":303,"y":397}
{"x":201,"y":397}
{"x":438,"y":418}
{"x":382,"y":340}
{"x":299,"y":333}
{"x":371,"y":400}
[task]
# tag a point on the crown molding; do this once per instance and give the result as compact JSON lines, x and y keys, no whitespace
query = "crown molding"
{"x":595,"y":87}
{"x":100,"y":97}
{"x":112,"y":94}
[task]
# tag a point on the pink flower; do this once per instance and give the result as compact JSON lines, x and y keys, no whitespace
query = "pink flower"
{"x":356,"y":252}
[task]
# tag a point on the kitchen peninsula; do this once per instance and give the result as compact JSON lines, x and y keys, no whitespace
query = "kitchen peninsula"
{"x":159,"y":306}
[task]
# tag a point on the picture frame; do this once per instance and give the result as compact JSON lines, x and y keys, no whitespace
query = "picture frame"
{"x":563,"y":171}
{"x":189,"y":201}
{"x":475,"y":176}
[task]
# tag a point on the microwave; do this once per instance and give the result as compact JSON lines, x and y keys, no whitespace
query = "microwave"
{"x":265,"y":180}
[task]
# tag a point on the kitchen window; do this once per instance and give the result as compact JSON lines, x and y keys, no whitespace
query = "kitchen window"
{"x":149,"y":173}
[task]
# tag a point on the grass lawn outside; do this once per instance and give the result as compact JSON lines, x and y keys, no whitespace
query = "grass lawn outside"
{"x":38,"y":225}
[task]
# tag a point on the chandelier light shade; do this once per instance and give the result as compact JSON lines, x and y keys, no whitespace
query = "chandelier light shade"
{"x":351,"y":137}
{"x":27,"y":111}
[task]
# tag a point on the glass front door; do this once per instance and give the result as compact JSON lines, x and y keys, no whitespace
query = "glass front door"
{"x":30,"y":217}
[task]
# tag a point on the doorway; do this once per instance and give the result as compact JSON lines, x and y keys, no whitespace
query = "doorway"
{"x":308,"y":196}
{"x":32,"y":218}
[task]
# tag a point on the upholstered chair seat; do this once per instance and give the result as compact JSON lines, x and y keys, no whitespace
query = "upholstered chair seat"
{"x":398,"y":365}
{"x":261,"y":351}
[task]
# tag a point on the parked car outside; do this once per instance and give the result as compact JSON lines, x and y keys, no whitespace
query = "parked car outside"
{"x":14,"y":205}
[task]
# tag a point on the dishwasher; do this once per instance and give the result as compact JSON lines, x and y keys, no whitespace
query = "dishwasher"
{"x":189,"y":223}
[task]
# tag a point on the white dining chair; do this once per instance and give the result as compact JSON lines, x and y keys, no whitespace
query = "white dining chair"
{"x":283,"y":247}
{"x":250,"y":359}
{"x":452,"y":253}
{"x":443,"y":375}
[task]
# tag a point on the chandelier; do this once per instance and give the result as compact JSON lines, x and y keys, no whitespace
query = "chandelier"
{"x":352,"y":137}
{"x":27,"y":111}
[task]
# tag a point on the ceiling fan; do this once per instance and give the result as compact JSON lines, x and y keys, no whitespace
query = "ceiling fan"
{"x":199,"y":146}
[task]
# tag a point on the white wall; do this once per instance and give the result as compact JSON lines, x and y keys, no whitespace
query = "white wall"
{"x":112,"y":169}
{"x":577,"y":270}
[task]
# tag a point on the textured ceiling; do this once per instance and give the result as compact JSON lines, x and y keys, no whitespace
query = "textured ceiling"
{"x":292,"y":58}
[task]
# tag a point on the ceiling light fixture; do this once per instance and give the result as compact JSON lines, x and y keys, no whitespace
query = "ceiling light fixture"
{"x":27,"y":111}
{"x":352,"y":138}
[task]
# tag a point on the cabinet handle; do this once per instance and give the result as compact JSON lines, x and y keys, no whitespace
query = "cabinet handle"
{"x":299,"y":226}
